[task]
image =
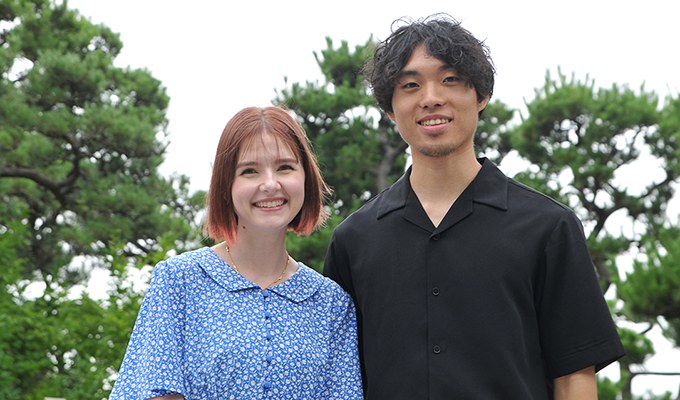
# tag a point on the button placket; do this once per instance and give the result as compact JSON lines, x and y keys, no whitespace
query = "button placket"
{"x":267,"y":317}
{"x":268,"y":335}
{"x":435,"y":299}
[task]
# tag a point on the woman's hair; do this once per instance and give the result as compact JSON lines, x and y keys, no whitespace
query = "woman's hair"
{"x":241,"y":131}
{"x":443,"y":38}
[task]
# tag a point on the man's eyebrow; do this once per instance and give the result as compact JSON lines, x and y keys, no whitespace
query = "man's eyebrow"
{"x":407,"y":72}
{"x":412,"y":72}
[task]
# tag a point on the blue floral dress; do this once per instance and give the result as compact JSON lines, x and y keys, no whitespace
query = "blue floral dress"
{"x":206,"y":332}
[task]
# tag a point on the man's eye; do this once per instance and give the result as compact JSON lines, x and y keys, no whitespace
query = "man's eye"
{"x":410,"y":85}
{"x":451,"y":79}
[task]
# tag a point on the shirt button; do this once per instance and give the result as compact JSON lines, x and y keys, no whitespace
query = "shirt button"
{"x":267,"y":314}
{"x":435,"y":291}
{"x":435,"y":237}
{"x":436,"y":349}
{"x":269,"y":336}
{"x":269,"y":358}
{"x":265,"y":294}
{"x":267,"y":385}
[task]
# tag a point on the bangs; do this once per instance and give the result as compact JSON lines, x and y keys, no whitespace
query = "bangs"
{"x":256,"y":141}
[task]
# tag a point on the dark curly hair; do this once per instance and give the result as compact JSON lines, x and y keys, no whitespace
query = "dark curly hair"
{"x":443,"y":38}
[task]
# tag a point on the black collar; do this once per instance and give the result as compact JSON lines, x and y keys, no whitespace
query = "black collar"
{"x":489,"y":187}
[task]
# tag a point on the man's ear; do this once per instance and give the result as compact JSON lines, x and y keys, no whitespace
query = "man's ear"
{"x":482,"y":104}
{"x":391,"y":115}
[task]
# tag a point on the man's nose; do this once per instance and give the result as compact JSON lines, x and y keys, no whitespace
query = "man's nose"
{"x":432,"y":96}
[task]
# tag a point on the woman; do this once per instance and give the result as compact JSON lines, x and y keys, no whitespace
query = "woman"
{"x":243,"y":319}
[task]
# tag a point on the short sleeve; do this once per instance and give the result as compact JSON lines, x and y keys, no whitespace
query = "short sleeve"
{"x":576,"y":327}
{"x":343,"y":372}
{"x":153,"y":361}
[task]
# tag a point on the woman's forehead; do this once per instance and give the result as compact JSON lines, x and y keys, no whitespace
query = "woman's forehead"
{"x":266,"y":145}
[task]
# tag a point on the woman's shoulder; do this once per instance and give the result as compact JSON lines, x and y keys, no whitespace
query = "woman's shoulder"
{"x":325,"y":286}
{"x":187,"y":261}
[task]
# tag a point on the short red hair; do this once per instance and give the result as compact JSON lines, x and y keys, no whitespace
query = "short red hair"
{"x":247,"y":125}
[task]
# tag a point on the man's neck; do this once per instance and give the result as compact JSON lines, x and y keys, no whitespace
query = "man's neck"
{"x":438,"y":181}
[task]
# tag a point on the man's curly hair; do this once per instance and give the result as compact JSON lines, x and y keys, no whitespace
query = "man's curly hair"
{"x":443,"y":38}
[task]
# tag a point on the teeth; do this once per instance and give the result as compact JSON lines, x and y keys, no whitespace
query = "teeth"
{"x":431,"y":122}
{"x":268,"y":204}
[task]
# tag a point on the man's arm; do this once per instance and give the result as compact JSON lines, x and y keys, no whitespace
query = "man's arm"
{"x":581,"y":385}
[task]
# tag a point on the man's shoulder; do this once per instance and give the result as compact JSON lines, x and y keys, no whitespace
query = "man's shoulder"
{"x":529,"y":203}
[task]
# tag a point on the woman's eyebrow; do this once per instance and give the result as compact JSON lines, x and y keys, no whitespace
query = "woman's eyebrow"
{"x":246,"y":163}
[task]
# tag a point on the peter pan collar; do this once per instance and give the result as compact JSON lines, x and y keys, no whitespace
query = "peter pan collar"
{"x":301,"y":286}
{"x":490,"y":187}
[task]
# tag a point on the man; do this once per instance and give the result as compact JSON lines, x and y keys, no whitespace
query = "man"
{"x":468,"y":285}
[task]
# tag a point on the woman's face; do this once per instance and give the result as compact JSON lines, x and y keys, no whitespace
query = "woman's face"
{"x":269,"y":186}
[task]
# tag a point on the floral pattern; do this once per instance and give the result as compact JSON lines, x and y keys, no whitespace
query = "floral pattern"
{"x":206,"y":332}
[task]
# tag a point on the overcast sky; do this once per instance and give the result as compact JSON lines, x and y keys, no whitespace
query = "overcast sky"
{"x":217,"y":57}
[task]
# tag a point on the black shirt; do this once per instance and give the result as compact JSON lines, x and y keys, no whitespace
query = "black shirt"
{"x":494,"y":303}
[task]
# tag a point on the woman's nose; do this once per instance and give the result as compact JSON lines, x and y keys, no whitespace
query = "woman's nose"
{"x":270,"y":183}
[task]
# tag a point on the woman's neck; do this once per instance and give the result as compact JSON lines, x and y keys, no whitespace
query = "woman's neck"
{"x":261,"y":259}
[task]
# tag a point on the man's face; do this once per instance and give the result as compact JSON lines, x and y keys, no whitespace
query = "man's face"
{"x":435,"y":111}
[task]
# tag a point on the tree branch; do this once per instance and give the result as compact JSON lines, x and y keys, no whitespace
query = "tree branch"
{"x":654,"y":373}
{"x":649,"y":328}
{"x":40,"y":179}
{"x":390,"y":152}
{"x":53,"y":186}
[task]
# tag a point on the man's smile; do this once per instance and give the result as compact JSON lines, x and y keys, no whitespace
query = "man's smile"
{"x":436,"y":121}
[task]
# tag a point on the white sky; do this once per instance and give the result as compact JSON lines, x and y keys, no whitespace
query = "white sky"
{"x":216,"y":57}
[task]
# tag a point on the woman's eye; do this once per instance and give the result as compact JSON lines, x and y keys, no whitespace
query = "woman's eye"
{"x":285,"y":167}
{"x":248,"y":171}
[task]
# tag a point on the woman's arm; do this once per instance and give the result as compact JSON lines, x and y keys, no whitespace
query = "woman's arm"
{"x":343,"y":373}
{"x":581,"y":385}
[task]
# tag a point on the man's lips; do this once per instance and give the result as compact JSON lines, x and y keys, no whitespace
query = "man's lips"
{"x":434,"y":121}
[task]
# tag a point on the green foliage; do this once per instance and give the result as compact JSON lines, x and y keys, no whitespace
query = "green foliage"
{"x":638,"y":347}
{"x":608,"y":389}
{"x":652,"y":289}
{"x":311,"y":249}
{"x":80,"y":145}
{"x":492,"y":138}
